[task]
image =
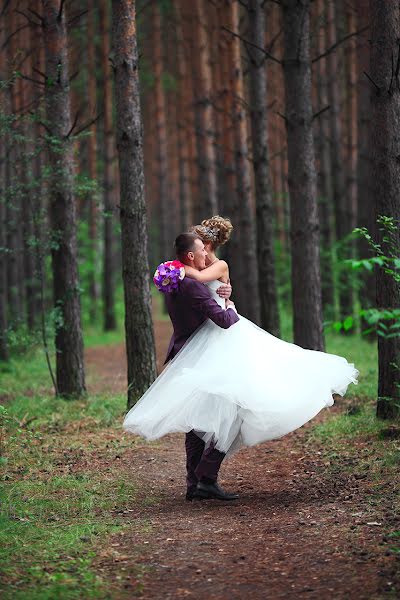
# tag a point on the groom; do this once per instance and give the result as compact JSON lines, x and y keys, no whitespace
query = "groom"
{"x":188,"y":308}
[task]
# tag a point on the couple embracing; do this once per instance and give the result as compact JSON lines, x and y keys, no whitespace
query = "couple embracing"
{"x":227,"y":383}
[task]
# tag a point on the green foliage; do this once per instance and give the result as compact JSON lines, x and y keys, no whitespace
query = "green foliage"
{"x":384,"y":322}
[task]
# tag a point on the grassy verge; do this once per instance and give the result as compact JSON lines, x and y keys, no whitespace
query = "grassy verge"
{"x":356,"y":445}
{"x":63,"y":495}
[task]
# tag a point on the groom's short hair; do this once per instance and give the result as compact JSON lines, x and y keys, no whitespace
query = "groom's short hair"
{"x":184,"y":243}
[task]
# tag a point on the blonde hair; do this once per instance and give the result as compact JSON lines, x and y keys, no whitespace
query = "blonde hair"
{"x":216,"y":230}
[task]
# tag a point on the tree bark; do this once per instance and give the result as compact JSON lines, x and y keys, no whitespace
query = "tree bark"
{"x":248,"y":249}
{"x":162,"y":146}
{"x":365,"y":203}
{"x":269,"y":312}
{"x":306,"y":282}
{"x":324,"y":173}
{"x":109,"y":319}
{"x":343,"y":215}
{"x":229,"y":200}
{"x":92,"y":155}
{"x":69,"y":343}
{"x":13,"y":206}
{"x":183,"y":124}
{"x":385,"y":149}
{"x":206,"y":118}
{"x":135,"y":270}
{"x":4,"y":183}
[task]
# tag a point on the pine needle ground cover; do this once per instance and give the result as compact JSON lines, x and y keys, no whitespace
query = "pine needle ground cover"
{"x":78,"y":506}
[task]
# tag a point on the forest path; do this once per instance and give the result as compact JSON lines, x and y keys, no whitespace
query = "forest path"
{"x":301,"y":528}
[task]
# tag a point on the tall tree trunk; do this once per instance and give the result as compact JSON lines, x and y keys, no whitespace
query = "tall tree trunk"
{"x":343,"y":218}
{"x":4,"y":189}
{"x":183,"y":124}
{"x":92,"y":152}
{"x":385,"y":148}
{"x":324,"y":174}
{"x":69,"y":343}
{"x":249,"y":277}
{"x":229,"y":200}
{"x":206,"y":117}
{"x":264,"y":210}
{"x":365,"y":203}
{"x":109,"y":319}
{"x":4,"y":183}
{"x":162,"y":146}
{"x":306,"y":281}
{"x":13,"y":216}
{"x":26,"y":149}
{"x":138,"y":323}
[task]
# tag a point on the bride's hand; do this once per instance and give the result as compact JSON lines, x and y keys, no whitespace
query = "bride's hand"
{"x":225,"y":291}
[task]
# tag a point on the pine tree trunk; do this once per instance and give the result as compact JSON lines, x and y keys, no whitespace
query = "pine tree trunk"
{"x":365,"y":204}
{"x":92,"y":153}
{"x":13,"y":216}
{"x":69,"y":343}
{"x":162,"y":144}
{"x":341,"y":203}
{"x":264,"y":210}
{"x":385,"y":148}
{"x":248,"y":246}
{"x":39,"y":192}
{"x":109,"y":319}
{"x":306,"y":282}
{"x":183,"y":124}
{"x":229,"y":200}
{"x":4,"y":353}
{"x":135,"y":269}
{"x":324,"y":174}
{"x":206,"y":118}
{"x":23,"y":151}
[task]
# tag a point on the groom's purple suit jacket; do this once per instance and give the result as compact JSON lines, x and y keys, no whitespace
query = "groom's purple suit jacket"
{"x":188,"y":308}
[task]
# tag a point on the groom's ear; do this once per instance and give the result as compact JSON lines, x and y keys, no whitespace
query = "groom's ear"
{"x":190,"y":255}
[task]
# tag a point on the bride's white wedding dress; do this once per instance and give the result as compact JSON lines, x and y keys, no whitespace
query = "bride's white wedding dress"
{"x":239,"y":387}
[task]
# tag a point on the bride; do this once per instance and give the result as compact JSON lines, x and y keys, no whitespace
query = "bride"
{"x":239,"y":386}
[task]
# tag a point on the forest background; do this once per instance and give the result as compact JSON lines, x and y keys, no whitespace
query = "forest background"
{"x":282,"y":116}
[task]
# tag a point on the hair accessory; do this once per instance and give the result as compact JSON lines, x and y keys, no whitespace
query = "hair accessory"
{"x":210,"y":232}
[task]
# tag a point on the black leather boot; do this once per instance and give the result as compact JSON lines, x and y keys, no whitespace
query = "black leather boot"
{"x":210,"y":491}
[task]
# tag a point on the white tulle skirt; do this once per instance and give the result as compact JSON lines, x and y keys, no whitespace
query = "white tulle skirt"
{"x":239,"y":387}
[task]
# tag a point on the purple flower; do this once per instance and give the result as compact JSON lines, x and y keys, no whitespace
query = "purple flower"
{"x":168,"y":276}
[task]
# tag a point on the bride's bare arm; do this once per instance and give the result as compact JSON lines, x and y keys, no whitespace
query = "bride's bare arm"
{"x":218,"y":270}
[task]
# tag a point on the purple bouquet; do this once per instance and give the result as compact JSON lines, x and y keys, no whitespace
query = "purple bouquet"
{"x":168,"y":275}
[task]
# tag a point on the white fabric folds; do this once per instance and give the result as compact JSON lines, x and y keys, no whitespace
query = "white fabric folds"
{"x":239,"y":387}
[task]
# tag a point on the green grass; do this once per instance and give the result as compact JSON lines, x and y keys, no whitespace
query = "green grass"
{"x":62,"y":498}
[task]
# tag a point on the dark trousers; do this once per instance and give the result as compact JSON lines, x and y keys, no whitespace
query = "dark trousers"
{"x":201,"y":462}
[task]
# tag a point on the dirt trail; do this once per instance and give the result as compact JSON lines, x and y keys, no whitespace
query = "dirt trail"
{"x":300,"y":529}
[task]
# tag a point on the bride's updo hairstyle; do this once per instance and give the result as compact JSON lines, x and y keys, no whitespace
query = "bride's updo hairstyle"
{"x":216,"y":230}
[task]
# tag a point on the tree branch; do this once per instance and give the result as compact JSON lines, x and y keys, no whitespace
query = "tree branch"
{"x":39,"y":72}
{"x":320,"y":112}
{"x":36,"y":14}
{"x":87,"y":124}
{"x":60,"y":10}
{"x":21,"y":12}
{"x":5,"y":43}
{"x":372,"y":81}
{"x":284,"y":117}
{"x":77,"y":115}
{"x":339,"y":42}
{"x":76,"y":17}
{"x":31,"y":79}
{"x":263,"y":50}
